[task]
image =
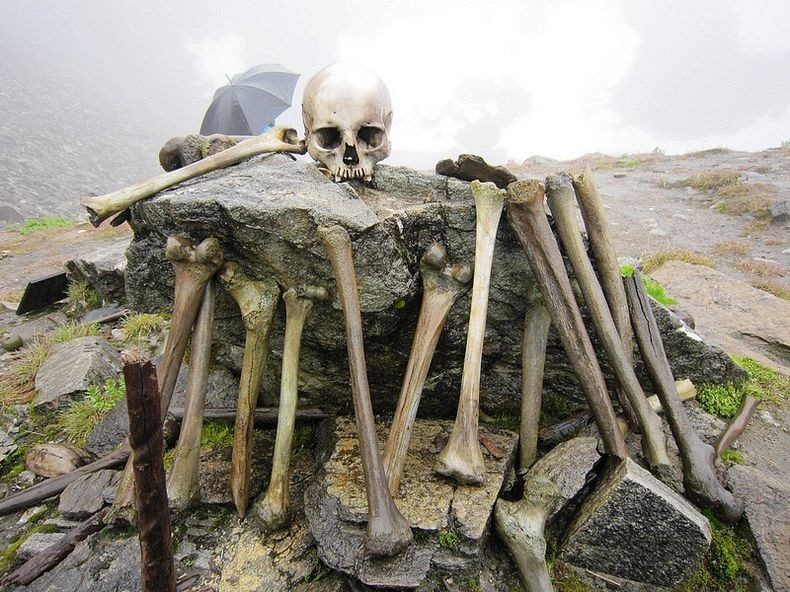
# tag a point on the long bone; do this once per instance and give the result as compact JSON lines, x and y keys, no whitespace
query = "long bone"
{"x":194,"y":266}
{"x":537,"y":322}
{"x":521,"y":525}
{"x":388,"y":532}
{"x":600,"y":236}
{"x":278,"y":139}
{"x":442,"y":283}
{"x":561,"y":200}
{"x":461,"y":458}
{"x":697,"y":457}
{"x":272,"y":512}
{"x":183,"y":487}
{"x":527,"y":217}
{"x":257,"y":300}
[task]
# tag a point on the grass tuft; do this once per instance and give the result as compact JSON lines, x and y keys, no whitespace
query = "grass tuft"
{"x":139,"y":327}
{"x":774,"y":287}
{"x":40,"y":224}
{"x":655,"y":261}
{"x":78,"y":420}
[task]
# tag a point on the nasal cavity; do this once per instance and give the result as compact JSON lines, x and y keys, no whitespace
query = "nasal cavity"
{"x":350,"y":157}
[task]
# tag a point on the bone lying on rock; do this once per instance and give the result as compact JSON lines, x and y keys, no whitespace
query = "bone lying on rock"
{"x":737,"y":425}
{"x":537,"y":322}
{"x":527,"y":217}
{"x":561,"y":202}
{"x":470,"y":167}
{"x":194,"y":266}
{"x":272,"y":512}
{"x":697,"y":457}
{"x":257,"y":300}
{"x":278,"y":139}
{"x":183,"y":487}
{"x":521,"y":525}
{"x":461,"y":458}
{"x":388,"y":532}
{"x":442,"y":283}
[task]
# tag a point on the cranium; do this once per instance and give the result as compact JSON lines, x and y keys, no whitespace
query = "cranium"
{"x":347,"y":114}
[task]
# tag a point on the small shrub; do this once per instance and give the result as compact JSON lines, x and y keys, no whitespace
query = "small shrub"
{"x":722,"y":400}
{"x":43,"y":223}
{"x":139,"y":327}
{"x":78,"y":420}
{"x":657,"y":260}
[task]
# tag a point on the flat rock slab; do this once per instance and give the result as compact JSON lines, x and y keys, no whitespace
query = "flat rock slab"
{"x":634,"y":527}
{"x":767,"y":508}
{"x":336,"y":506}
{"x":72,"y":367}
{"x":732,"y":314}
{"x":85,"y":496}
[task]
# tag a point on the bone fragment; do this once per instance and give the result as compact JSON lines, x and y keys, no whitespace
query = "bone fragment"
{"x":278,"y":139}
{"x":183,"y":487}
{"x":388,"y":532}
{"x":527,"y":217}
{"x":697,"y":457}
{"x":470,"y":167}
{"x":257,"y":300}
{"x":686,"y":391}
{"x":273,"y":511}
{"x":521,"y":525}
{"x":194,"y":266}
{"x":561,"y":203}
{"x":737,"y":425}
{"x":183,"y":150}
{"x":442,"y":283}
{"x":263,"y":416}
{"x":537,"y":322}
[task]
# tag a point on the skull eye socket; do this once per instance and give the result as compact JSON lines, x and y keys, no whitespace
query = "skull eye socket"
{"x":328,"y":138}
{"x":372,"y":136}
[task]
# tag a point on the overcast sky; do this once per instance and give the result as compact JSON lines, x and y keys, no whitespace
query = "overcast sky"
{"x":505,"y":80}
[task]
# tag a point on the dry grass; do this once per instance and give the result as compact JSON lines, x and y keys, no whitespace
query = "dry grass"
{"x":761,"y":268}
{"x":774,"y":287}
{"x":655,"y":261}
{"x":732,"y":249}
{"x":709,"y":181}
{"x":740,"y":199}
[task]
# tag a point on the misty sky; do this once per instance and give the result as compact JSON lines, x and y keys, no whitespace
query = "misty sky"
{"x":505,"y":80}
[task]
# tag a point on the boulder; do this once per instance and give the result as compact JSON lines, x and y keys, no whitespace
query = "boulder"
{"x":72,"y":367}
{"x":450,"y":522}
{"x":103,"y":270}
{"x":266,"y":212}
{"x":84,"y":496}
{"x":634,"y":527}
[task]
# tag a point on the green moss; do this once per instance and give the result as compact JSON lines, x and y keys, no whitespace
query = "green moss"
{"x":216,"y":434}
{"x":448,"y":539}
{"x":766,"y":384}
{"x":40,"y":224}
{"x":722,"y":400}
{"x":732,"y":457}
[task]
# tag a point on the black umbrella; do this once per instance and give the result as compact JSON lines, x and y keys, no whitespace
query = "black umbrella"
{"x":251,"y":101}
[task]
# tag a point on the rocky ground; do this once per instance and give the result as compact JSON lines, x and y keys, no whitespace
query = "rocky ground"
{"x":727,"y":210}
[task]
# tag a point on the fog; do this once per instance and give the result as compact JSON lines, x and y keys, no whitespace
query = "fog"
{"x":102,"y":85}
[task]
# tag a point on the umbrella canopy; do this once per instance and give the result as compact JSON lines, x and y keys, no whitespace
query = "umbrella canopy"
{"x":251,"y":101}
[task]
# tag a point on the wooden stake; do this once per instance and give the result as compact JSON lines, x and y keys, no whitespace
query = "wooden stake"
{"x":145,"y":437}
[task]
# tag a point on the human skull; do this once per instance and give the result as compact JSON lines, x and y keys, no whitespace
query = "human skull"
{"x":347,"y":114}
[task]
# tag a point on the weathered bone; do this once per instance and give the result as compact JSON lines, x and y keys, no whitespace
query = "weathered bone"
{"x":521,"y":525}
{"x":697,"y":457}
{"x":273,"y":511}
{"x":194,"y":265}
{"x":442,"y":283}
{"x":183,"y":487}
{"x":537,"y":322}
{"x":257,"y":300}
{"x":277,"y":139}
{"x":737,"y":425}
{"x":600,"y":236}
{"x":388,"y":532}
{"x":561,"y":202}
{"x":461,"y":458}
{"x":527,"y":217}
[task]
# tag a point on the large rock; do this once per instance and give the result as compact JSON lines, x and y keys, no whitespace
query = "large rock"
{"x":450,"y":522}
{"x":72,"y":367}
{"x":103,"y":270}
{"x":636,"y":528}
{"x":266,"y":212}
